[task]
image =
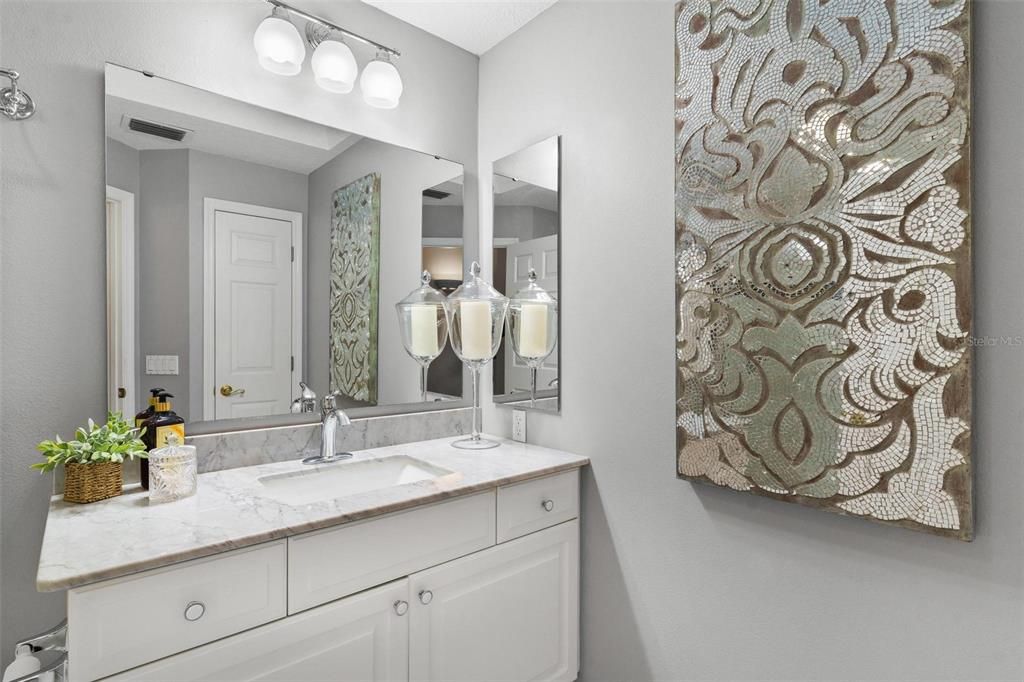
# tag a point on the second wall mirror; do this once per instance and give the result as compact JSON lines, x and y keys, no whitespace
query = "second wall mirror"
{"x":527,"y":257}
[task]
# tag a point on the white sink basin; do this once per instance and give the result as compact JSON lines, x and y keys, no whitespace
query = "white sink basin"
{"x":332,"y":481}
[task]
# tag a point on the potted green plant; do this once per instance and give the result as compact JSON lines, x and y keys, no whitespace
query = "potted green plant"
{"x":93,"y":459}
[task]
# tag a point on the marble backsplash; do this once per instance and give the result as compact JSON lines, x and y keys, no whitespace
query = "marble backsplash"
{"x":263,"y":446}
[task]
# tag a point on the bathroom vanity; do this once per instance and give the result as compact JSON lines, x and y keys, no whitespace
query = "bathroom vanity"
{"x":409,"y":562}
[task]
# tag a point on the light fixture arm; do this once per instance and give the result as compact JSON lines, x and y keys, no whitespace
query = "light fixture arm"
{"x":333,"y":27}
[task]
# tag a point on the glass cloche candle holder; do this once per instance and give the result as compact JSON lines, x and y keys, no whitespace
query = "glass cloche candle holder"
{"x":476,"y":321}
{"x":533,"y":328}
{"x":423,"y":323}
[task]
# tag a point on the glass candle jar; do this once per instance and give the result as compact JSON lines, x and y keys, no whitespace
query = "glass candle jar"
{"x":173,"y":471}
{"x":423,"y":324}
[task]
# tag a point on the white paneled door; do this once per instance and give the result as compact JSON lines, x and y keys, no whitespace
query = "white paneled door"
{"x":541,"y":254}
{"x":252,"y":307}
{"x":509,"y":613}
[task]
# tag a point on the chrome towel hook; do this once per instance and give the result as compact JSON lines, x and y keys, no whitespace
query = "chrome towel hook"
{"x":15,"y":103}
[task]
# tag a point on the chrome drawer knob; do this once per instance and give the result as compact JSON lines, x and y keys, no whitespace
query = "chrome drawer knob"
{"x":426,"y":596}
{"x":194,"y":610}
{"x":548,"y":505}
{"x":401,"y":607}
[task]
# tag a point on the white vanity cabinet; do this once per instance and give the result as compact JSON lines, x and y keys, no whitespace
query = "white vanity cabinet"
{"x":435,"y":593}
{"x":508,"y":613}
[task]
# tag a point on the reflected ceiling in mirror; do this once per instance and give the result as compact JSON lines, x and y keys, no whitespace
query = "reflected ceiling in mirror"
{"x":528,"y":238}
{"x":249,"y":251}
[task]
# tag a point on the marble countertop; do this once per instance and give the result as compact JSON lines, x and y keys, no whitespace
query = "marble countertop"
{"x":86,"y":543}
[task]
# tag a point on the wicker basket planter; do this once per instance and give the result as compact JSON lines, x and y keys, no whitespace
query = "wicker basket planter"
{"x":84,"y":483}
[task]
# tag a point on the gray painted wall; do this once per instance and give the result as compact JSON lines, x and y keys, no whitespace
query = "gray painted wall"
{"x":442,"y":221}
{"x":404,"y":176}
{"x":524,"y":222}
{"x":162,"y":270}
{"x":52,"y":271}
{"x":122,"y":166}
{"x":682,"y":581}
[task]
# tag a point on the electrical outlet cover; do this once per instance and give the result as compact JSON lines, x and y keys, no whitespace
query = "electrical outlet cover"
{"x":519,"y":426}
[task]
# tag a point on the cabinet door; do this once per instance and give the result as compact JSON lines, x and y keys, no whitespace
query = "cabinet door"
{"x":359,"y":639}
{"x":507,"y":613}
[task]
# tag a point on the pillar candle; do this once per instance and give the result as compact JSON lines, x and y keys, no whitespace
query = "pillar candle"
{"x":424,"y":330}
{"x":476,"y":329}
{"x":533,"y":330}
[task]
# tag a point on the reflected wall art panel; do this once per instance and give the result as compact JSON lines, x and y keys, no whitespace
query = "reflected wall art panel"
{"x":355,"y":271}
{"x":823,"y":275}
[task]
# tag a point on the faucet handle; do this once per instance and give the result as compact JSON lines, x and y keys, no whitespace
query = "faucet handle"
{"x":329,"y":403}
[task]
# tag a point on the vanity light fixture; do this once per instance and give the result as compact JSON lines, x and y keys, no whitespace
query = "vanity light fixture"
{"x":281,"y":50}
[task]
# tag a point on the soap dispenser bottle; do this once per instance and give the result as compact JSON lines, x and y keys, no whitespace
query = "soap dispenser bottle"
{"x":148,"y":412}
{"x":158,"y":427}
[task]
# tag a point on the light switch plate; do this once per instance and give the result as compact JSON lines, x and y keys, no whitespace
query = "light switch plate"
{"x":519,"y":426}
{"x":162,"y":364}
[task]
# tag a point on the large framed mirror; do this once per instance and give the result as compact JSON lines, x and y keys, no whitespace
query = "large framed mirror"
{"x":255,"y":258}
{"x":528,"y":240}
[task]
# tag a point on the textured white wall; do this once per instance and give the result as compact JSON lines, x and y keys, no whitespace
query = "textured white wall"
{"x":51,"y":218}
{"x":691,"y":582}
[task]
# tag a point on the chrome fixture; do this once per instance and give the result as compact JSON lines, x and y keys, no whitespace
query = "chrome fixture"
{"x":15,"y":103}
{"x":306,"y":402}
{"x":281,"y":50}
{"x":331,"y":418}
{"x":51,"y":640}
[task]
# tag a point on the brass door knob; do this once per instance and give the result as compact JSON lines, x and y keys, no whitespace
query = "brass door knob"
{"x":227,"y":390}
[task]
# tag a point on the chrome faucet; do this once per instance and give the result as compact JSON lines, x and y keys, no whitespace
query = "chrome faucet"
{"x":331,"y":417}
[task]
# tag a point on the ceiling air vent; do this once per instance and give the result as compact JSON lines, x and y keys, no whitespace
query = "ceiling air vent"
{"x":145,"y":127}
{"x":436,"y":194}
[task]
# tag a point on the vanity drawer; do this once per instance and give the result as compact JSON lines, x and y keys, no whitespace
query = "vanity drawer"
{"x":122,"y":623}
{"x":538,"y":503}
{"x":333,"y":563}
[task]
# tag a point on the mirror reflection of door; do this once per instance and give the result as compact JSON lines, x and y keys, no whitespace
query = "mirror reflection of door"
{"x":255,"y":311}
{"x":121,"y":321}
{"x":540,"y":255}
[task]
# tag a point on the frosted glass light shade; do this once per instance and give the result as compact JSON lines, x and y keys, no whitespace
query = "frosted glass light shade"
{"x":279,"y":46}
{"x":381,"y":83}
{"x":334,"y":66}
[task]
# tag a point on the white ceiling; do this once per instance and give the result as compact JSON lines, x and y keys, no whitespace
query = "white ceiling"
{"x":473,"y":25}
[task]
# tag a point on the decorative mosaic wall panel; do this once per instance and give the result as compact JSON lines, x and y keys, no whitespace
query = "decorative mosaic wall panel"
{"x":355,"y":269}
{"x":823,"y":254}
